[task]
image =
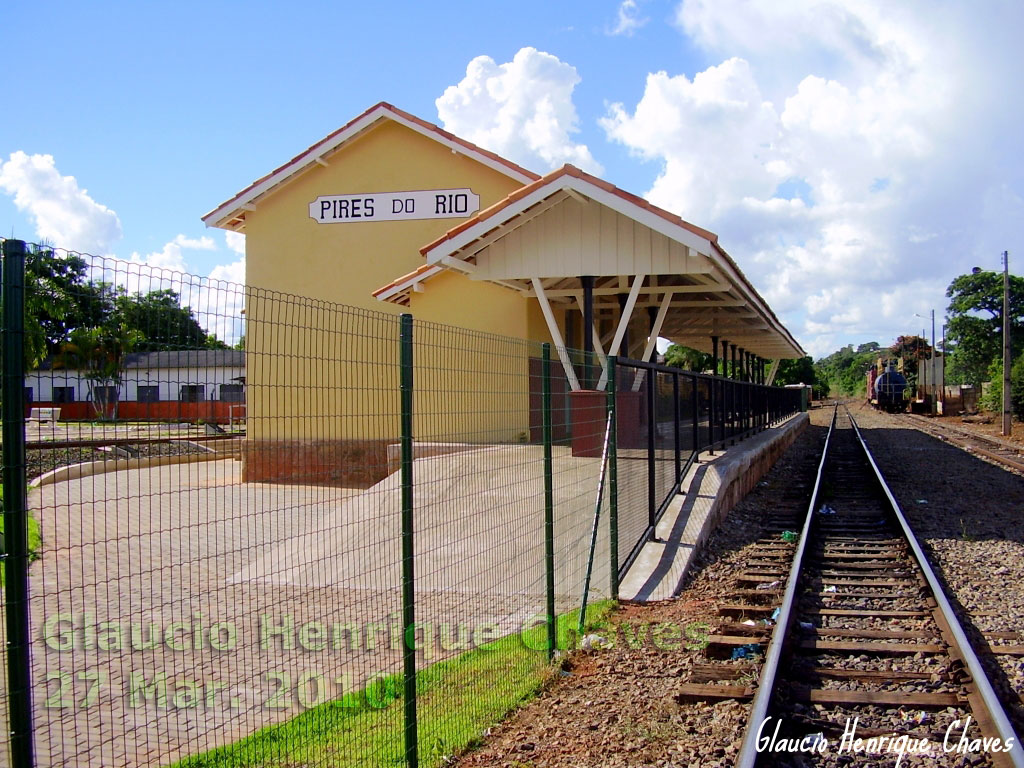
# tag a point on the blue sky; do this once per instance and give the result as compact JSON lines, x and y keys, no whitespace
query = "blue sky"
{"x":853,"y":156}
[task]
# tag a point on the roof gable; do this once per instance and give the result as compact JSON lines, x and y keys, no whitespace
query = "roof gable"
{"x":231,"y":214}
{"x":683,"y":250}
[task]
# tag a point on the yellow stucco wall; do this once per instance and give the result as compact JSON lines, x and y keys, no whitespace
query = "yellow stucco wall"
{"x":286,"y":250}
{"x":322,"y":361}
{"x":481,"y":374}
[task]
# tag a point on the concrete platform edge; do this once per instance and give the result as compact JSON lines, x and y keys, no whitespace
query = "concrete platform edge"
{"x":710,"y":489}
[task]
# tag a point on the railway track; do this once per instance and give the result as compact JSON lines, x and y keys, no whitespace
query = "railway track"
{"x":1002,"y":452}
{"x":858,"y":640}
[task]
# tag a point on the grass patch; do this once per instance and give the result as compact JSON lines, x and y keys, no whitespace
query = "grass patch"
{"x":35,"y":541}
{"x":457,"y":700}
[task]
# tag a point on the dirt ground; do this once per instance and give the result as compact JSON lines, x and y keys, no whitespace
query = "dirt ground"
{"x":618,"y":706}
{"x":993,"y":428}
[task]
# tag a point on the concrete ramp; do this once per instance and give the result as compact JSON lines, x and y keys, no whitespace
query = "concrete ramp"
{"x":479,"y":529}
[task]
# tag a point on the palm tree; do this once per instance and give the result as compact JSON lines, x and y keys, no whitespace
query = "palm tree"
{"x":99,"y":353}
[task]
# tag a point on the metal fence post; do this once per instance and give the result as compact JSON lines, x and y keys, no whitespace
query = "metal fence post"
{"x":15,"y":508}
{"x":652,"y":414}
{"x":408,"y":550}
{"x":676,"y":425}
{"x":613,"y":480}
{"x":695,"y":410}
{"x":549,"y":500}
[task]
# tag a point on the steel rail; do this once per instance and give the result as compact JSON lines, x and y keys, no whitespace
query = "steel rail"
{"x":962,"y":645}
{"x":972,"y":442}
{"x":748,"y":754}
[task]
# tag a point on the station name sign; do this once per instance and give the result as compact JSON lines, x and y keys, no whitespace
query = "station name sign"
{"x":395,"y":206}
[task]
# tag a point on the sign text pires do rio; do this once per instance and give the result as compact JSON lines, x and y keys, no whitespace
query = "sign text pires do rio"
{"x":395,"y":206}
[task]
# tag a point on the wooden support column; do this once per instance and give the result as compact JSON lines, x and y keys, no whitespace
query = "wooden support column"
{"x":598,"y":348}
{"x":587,"y":282}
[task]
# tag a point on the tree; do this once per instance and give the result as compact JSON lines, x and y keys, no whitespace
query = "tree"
{"x":99,"y":353}
{"x":687,"y":358}
{"x":161,"y":322}
{"x":58,"y":298}
{"x":799,"y":371}
{"x":911,"y":349}
{"x":975,"y":323}
{"x":845,"y":370}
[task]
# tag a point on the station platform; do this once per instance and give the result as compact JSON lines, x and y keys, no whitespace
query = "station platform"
{"x":712,"y":487}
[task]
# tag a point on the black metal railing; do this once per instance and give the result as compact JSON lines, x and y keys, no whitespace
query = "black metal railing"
{"x":666,"y":417}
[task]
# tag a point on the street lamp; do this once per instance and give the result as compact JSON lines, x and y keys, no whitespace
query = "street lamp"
{"x":1006,"y":344}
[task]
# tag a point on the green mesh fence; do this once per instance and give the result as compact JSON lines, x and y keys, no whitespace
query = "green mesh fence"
{"x":218,"y":492}
{"x":264,"y":529}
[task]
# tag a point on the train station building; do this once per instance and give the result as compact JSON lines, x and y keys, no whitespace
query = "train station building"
{"x":394,"y":214}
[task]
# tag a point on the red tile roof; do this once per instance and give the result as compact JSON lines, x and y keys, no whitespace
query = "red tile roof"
{"x":568,"y":170}
{"x":309,"y":156}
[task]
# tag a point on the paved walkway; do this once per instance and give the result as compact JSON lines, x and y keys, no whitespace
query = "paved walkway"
{"x":176,"y":609}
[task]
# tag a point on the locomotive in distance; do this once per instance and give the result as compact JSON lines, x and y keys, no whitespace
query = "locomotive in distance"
{"x":888,"y":390}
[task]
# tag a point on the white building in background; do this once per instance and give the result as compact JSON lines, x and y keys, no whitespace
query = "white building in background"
{"x":189,"y":376}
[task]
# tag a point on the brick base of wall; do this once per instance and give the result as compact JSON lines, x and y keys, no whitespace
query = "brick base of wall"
{"x":342,"y":463}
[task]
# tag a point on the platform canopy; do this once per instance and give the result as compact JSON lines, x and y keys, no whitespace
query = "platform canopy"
{"x":570,"y":237}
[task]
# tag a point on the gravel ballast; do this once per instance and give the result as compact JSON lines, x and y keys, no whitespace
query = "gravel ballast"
{"x":616,"y":707}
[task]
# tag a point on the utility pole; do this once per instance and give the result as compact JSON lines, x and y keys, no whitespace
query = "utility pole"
{"x":1006,"y":343}
{"x":944,"y":413}
{"x":931,"y":364}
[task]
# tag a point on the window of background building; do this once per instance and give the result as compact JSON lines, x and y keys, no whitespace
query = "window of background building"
{"x":63,"y":394}
{"x":232,"y":393}
{"x":192,"y":393}
{"x":148,"y":393}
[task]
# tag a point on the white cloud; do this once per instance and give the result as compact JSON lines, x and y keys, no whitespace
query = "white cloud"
{"x":853,"y":156}
{"x":235,"y":241}
{"x":216,"y":300}
{"x":220,"y":310}
{"x":157,"y":270}
{"x":202,"y":244}
{"x":628,"y":20}
{"x":689,"y":124}
{"x":233,"y":272}
{"x":522,"y":110}
{"x":64,"y":214}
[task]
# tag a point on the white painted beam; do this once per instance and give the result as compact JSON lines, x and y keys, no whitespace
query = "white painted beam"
{"x":703,"y":288}
{"x":652,"y":340}
{"x":627,"y":312}
{"x":620,"y":330}
{"x":556,"y":335}
{"x":772,"y":371}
